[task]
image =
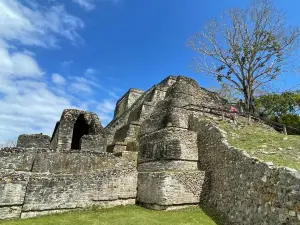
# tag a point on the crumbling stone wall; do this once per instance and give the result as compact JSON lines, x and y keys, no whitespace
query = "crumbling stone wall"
{"x":244,"y":189}
{"x":33,"y":141}
{"x":39,"y":181}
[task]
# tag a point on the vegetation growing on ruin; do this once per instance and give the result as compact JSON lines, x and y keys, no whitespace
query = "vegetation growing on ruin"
{"x":264,"y":143}
{"x":121,"y":215}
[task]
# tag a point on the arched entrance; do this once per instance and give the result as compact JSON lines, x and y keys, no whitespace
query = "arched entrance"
{"x":80,"y":128}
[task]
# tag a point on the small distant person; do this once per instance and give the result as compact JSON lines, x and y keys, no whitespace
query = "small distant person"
{"x":233,"y":112}
{"x":233,"y":109}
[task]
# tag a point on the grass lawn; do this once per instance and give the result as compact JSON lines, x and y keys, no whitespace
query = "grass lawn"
{"x":266,"y":144}
{"x":124,"y":215}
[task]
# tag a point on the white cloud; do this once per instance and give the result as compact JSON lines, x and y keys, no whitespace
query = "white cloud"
{"x":90,"y":71}
{"x":106,"y":106}
{"x":105,"y":110}
{"x":80,"y":88}
{"x":86,"y":4}
{"x":113,"y":94}
{"x":83,"y":84}
{"x":39,"y":26}
{"x":89,"y":5}
{"x":18,"y":64}
{"x":58,"y":79}
{"x":28,"y":103}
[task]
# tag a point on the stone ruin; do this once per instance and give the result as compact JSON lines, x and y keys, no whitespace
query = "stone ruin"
{"x":158,"y":152}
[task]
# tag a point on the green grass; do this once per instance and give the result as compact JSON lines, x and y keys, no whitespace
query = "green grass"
{"x":124,"y":215}
{"x":264,"y":143}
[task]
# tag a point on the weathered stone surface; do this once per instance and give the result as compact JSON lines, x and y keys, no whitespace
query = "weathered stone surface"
{"x":73,"y":125}
{"x":33,"y":141}
{"x":62,"y":191}
{"x":10,"y":212}
{"x":169,"y":188}
{"x":242,"y":188}
{"x":140,"y":110}
{"x":126,"y":101}
{"x":19,"y":159}
{"x":60,"y":181}
{"x":12,"y":187}
{"x":157,"y":150}
{"x":169,"y":143}
{"x":172,"y":165}
{"x":128,"y":132}
{"x":93,"y":143}
{"x":117,"y":147}
{"x":77,"y":162}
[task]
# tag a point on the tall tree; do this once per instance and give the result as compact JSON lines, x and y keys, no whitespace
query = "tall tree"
{"x":246,"y":48}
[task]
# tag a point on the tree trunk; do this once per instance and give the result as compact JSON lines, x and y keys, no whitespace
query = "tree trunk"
{"x":249,"y":100}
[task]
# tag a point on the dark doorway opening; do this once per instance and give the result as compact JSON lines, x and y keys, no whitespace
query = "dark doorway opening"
{"x":80,"y":128}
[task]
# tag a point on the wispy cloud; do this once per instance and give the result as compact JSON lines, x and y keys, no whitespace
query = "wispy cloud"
{"x":105,"y":110}
{"x":86,"y":4}
{"x":58,"y":79}
{"x":28,"y":104}
{"x":89,"y":5}
{"x":37,"y":25}
{"x":90,"y":71}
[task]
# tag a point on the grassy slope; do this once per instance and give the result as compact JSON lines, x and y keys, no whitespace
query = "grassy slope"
{"x":124,"y":215}
{"x":264,"y":143}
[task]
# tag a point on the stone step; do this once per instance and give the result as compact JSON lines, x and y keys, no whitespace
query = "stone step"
{"x":141,"y":113}
{"x":116,"y":147}
{"x":127,"y":133}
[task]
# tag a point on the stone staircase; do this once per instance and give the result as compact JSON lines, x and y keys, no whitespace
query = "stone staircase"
{"x":125,"y":129}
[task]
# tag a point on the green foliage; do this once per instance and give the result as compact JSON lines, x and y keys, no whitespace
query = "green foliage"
{"x":282,"y":108}
{"x":123,"y":215}
{"x":273,"y":105}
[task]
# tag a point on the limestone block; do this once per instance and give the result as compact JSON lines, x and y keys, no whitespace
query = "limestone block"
{"x":128,"y":132}
{"x":17,"y":158}
{"x":116,"y":147}
{"x":62,"y":191}
{"x":126,"y":101}
{"x":77,"y":162}
{"x":162,"y":165}
{"x":12,"y":187}
{"x":169,"y":143}
{"x":169,"y":188}
{"x":10,"y":212}
{"x":33,"y":141}
{"x":93,"y":143}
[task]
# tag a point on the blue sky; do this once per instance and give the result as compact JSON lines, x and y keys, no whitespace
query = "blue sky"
{"x":85,"y":54}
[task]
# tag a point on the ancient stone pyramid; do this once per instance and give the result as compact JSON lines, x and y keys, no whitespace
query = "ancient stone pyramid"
{"x":160,"y":151}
